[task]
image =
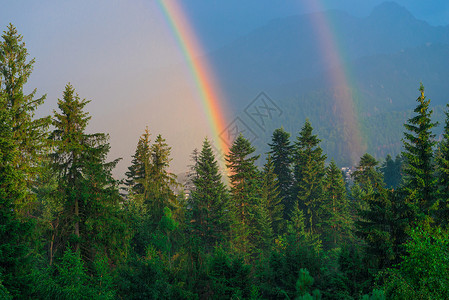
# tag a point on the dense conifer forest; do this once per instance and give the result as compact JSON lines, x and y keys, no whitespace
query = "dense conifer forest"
{"x":298,"y":228}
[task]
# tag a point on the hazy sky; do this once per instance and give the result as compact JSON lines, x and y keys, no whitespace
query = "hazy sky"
{"x":122,"y":55}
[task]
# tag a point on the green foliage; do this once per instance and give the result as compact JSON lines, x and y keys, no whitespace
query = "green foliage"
{"x":68,"y":279}
{"x":143,"y":278}
{"x":424,"y":271}
{"x":4,"y":294}
{"x":90,"y":219}
{"x":161,"y":182}
{"x":376,"y":295}
{"x":281,"y":151}
{"x":271,"y":196}
{"x":27,"y":132}
{"x":209,"y":202}
{"x":391,"y":170}
{"x":304,"y":283}
{"x":383,"y":227}
{"x":367,"y":175}
{"x":140,"y":166}
{"x":293,"y":251}
{"x":245,"y":193}
{"x":229,"y":276}
{"x":420,"y":182}
{"x":352,"y":276}
{"x":308,"y":163}
{"x":15,"y":260}
{"x":337,"y":223}
{"x":442,"y":159}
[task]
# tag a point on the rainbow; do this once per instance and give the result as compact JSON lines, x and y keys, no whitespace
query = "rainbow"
{"x":209,"y":91}
{"x":206,"y":85}
{"x":344,"y":105}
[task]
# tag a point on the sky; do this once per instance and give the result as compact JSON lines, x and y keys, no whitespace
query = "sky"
{"x":124,"y":57}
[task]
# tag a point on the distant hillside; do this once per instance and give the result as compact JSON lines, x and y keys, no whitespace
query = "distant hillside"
{"x":386,"y":56}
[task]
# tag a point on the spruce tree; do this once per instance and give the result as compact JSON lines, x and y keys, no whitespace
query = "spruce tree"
{"x":281,"y":153}
{"x":151,"y":190}
{"x":309,"y":173}
{"x":367,"y":181}
{"x":209,"y":201}
{"x":337,"y":224}
{"x":442,"y":159}
{"x":244,"y":194}
{"x":391,"y":170}
{"x":383,"y":224}
{"x":15,"y":259}
{"x":140,"y":164}
{"x":381,"y":215}
{"x":161,"y":182}
{"x":367,"y":175}
{"x":271,"y":195}
{"x":29,"y":134}
{"x":90,"y":220}
{"x":420,"y":182}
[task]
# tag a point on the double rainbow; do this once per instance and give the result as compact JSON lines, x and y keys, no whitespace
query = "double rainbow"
{"x":212,"y":102}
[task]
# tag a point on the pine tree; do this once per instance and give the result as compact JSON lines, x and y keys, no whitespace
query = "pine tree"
{"x":244,"y":194}
{"x":442,"y":159}
{"x":309,"y":174}
{"x":281,"y":152}
{"x":29,"y":134}
{"x":420,"y":182}
{"x":209,"y":201}
{"x":90,"y":219}
{"x":337,"y":226}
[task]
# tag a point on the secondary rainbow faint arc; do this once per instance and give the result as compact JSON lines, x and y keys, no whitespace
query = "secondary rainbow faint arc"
{"x":344,"y":100}
{"x":204,"y":79}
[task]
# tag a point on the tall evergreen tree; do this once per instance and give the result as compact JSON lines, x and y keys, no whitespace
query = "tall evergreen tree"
{"x":337,"y":225}
{"x":151,"y":190}
{"x":209,"y":201}
{"x":244,"y":194}
{"x":271,"y":195}
{"x":140,"y":165}
{"x":309,"y":174}
{"x":381,"y":215}
{"x":90,"y":216}
{"x":29,"y":134}
{"x":420,"y":182}
{"x":161,"y":182}
{"x":15,"y":259}
{"x":442,"y":159}
{"x":367,"y":181}
{"x":281,"y":153}
{"x":367,"y":175}
{"x":391,"y":170}
{"x":383,"y":224}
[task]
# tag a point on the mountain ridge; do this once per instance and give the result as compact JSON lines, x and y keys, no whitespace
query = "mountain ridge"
{"x":384,"y":55}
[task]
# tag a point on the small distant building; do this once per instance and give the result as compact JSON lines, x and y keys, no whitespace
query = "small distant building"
{"x":347,"y":172}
